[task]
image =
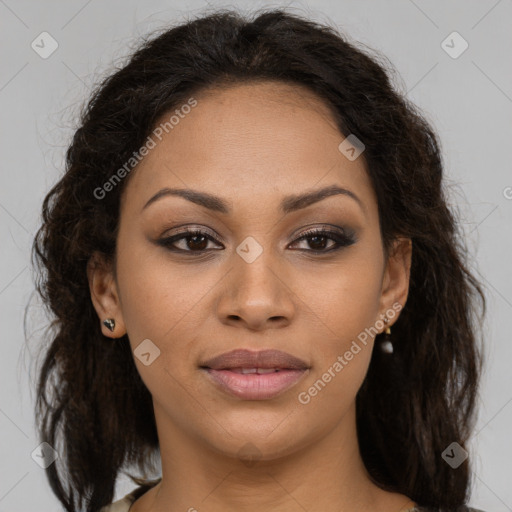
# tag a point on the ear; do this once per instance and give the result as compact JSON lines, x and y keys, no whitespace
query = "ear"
{"x":395,"y":281}
{"x":104,"y":294}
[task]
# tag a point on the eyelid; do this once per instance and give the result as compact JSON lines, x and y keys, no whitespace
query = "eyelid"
{"x":304,"y":230}
{"x":321,"y":227}
{"x":188,"y":228}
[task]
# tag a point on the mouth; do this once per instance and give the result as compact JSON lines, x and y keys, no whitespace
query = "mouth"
{"x":252,"y":375}
{"x":250,"y":384}
{"x":259,"y":371}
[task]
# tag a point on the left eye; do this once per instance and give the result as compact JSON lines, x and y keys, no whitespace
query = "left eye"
{"x":197,"y":241}
{"x":320,"y":237}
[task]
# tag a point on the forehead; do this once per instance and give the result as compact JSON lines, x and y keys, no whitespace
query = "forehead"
{"x":250,"y":143}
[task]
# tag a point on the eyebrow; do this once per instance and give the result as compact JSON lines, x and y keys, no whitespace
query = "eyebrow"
{"x":289,"y":204}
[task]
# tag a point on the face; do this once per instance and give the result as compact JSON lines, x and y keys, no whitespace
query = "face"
{"x":260,"y":269}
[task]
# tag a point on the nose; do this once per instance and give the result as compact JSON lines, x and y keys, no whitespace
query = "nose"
{"x":256,"y":296}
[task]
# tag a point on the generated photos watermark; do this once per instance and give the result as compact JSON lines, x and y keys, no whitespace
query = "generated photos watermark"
{"x":137,"y":156}
{"x":305,"y":397}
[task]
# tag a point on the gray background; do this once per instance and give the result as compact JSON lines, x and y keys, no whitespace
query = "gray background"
{"x":468,"y":100}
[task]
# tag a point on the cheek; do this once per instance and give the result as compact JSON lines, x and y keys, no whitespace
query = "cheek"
{"x":345,"y":311}
{"x":156,"y":294}
{"x":165,"y":303}
{"x":344,"y":296}
{"x":343,"y":308}
{"x":158,"y":301}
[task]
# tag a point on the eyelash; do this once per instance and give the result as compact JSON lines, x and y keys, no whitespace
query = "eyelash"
{"x":341,"y":239}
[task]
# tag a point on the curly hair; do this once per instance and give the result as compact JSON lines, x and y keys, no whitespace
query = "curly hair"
{"x":92,"y":405}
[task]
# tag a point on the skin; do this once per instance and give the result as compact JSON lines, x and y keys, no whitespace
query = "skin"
{"x":253,"y":145}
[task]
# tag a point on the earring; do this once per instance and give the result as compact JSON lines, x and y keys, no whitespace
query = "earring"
{"x":110,"y":324}
{"x":386,"y":345}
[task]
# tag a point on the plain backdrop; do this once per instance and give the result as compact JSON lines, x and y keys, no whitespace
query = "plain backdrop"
{"x":466,"y":95}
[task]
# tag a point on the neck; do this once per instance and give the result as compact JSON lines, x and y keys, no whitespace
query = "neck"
{"x":327,"y":474}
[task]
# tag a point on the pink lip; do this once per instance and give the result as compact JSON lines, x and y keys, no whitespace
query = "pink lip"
{"x":243,"y":358}
{"x":225,"y":371}
{"x":255,"y":386}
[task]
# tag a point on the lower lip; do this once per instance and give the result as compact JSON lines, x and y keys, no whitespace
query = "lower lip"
{"x":255,"y":386}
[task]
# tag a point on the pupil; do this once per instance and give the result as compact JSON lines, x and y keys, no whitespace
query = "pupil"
{"x":316,"y":237}
{"x":194,"y":245}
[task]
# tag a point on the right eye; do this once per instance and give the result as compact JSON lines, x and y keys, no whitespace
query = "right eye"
{"x":197,"y":241}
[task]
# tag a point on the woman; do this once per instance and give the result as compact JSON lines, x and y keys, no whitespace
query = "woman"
{"x":257,"y":282}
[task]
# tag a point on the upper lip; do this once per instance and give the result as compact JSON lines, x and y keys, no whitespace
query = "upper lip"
{"x":242,"y":358}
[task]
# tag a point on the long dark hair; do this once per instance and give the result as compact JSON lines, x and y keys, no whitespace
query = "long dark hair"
{"x":92,"y":405}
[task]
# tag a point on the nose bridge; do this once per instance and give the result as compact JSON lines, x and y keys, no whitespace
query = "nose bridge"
{"x":256,"y":293}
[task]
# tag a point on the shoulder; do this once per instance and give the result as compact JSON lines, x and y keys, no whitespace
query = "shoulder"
{"x":124,"y":504}
{"x":121,"y":505}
